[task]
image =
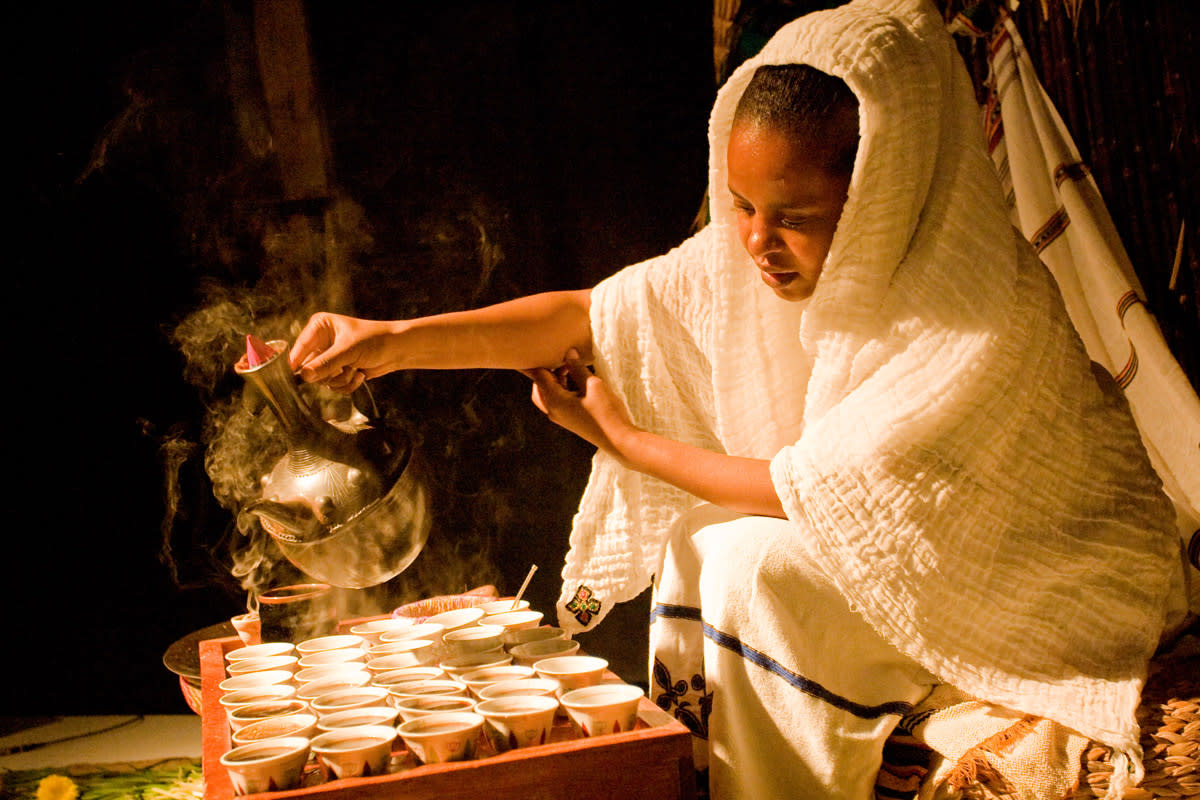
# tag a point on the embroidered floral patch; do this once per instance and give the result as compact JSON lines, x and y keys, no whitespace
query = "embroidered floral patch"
{"x":674,"y":699}
{"x":584,"y":605}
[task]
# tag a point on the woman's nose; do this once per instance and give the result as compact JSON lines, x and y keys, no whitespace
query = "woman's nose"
{"x":761,"y":238}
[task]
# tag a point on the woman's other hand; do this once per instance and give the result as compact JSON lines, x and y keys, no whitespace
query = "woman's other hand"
{"x":342,"y":352}
{"x":575,"y":399}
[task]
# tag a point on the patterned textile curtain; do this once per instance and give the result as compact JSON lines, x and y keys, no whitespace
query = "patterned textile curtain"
{"x":1125,"y":77}
{"x":1057,"y":205}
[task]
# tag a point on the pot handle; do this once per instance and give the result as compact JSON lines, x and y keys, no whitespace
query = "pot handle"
{"x":364,"y":401}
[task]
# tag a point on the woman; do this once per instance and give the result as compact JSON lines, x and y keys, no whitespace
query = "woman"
{"x":917,"y":476}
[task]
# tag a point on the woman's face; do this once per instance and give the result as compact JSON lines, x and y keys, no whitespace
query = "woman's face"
{"x":787,"y":207}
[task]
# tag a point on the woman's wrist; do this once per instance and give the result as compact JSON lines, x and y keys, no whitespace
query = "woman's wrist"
{"x":396,"y":334}
{"x":632,"y":447}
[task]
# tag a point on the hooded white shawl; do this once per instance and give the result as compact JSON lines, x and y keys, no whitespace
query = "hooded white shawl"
{"x":931,"y":417}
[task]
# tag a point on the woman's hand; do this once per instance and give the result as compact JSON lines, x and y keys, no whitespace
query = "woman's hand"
{"x":575,"y":399}
{"x":342,"y":352}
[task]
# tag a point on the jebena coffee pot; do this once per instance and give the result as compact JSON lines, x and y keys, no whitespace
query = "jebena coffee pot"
{"x":344,"y":504}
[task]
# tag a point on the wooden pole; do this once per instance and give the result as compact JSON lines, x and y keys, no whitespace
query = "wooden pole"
{"x":300,"y":142}
{"x":290,"y":90}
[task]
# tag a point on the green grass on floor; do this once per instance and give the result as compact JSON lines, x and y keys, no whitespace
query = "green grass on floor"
{"x":173,"y":779}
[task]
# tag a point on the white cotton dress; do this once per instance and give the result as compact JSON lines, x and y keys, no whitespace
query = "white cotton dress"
{"x":949,"y":462}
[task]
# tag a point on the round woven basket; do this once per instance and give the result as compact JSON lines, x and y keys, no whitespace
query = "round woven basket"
{"x":419,"y":610}
{"x":1170,"y":720}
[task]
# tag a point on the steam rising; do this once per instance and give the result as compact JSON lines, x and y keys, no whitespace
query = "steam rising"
{"x":239,"y":447}
{"x":431,"y":234}
{"x":241,"y":444}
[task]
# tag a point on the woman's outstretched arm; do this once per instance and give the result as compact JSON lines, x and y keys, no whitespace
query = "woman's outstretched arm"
{"x":525,"y":333}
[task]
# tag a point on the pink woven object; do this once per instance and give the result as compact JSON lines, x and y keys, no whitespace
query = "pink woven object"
{"x":420,"y":610}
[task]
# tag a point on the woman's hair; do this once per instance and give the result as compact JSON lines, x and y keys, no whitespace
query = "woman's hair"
{"x":811,"y":106}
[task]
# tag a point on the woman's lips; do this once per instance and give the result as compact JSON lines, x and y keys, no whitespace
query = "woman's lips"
{"x":777,"y":280}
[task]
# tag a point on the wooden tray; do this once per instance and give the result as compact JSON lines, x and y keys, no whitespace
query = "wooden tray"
{"x":651,"y":762}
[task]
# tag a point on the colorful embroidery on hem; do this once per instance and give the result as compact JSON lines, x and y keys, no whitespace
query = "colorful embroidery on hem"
{"x":584,"y":605}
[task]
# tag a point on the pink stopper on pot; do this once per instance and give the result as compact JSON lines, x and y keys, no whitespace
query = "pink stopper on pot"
{"x":258,"y":352}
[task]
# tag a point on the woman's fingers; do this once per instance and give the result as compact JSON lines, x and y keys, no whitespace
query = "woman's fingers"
{"x":543,"y":381}
{"x":346,"y":381}
{"x":315,"y":339}
{"x":318,"y":357}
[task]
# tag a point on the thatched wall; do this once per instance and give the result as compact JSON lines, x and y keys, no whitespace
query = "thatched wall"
{"x":1125,"y":76}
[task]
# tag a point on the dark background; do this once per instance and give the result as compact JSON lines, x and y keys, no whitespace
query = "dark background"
{"x":489,"y":150}
{"x":571,"y":134}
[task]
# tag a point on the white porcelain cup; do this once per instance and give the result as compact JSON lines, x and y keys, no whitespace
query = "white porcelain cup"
{"x":473,"y":639}
{"x":372,"y":629}
{"x":396,"y":677}
{"x":478,"y":679}
{"x":341,"y":655}
{"x":346,"y":699}
{"x":266,"y":766}
{"x":410,"y":653}
{"x":518,"y":721}
{"x":260,"y":651}
{"x":572,"y":672}
{"x":354,"y":752}
{"x":427,"y":688}
{"x":421,"y":630}
{"x":457,"y":666}
{"x":411,"y":707}
{"x":256,"y":680}
{"x":500,"y":606}
{"x":248,"y":627}
{"x":442,"y":737}
{"x":335,"y":641}
{"x":274,"y":693}
{"x":241,"y":716}
{"x":457,"y":618}
{"x":313,"y":689}
{"x":302,"y":723}
{"x":345,"y":669}
{"x":530,"y":653}
{"x":603,"y":709}
{"x":261,"y":664}
{"x":521,"y":687}
{"x":514,"y":620}
{"x":536,"y":634}
{"x":357,"y":717}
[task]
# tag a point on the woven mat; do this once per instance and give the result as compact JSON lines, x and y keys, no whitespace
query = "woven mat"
{"x":172,"y":779}
{"x":1169,"y":716}
{"x":1170,"y":720}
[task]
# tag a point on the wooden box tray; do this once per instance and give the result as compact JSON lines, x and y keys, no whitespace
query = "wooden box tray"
{"x":651,"y":762}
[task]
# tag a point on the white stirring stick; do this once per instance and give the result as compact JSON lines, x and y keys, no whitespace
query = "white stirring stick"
{"x":524,"y":586}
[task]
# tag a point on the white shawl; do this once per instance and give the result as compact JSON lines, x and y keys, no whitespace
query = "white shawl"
{"x":933,"y":424}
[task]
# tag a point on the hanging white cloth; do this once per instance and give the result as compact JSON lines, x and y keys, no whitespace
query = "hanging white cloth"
{"x":1057,"y":205}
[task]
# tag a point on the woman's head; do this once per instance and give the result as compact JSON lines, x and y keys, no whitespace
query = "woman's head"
{"x":813,"y":108}
{"x":791,"y":153}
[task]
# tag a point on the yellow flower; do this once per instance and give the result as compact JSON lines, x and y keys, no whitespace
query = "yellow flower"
{"x":57,"y":787}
